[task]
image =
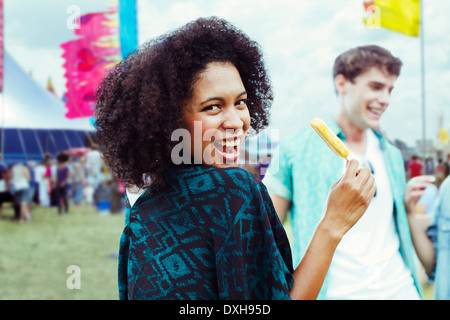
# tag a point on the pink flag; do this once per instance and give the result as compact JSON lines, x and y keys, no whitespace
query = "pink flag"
{"x":87,"y":59}
{"x":1,"y":46}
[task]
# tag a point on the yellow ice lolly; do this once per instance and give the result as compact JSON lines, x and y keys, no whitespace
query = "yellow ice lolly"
{"x":332,"y":140}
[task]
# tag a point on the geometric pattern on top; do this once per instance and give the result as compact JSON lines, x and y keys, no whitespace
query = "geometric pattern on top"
{"x":212,"y":233}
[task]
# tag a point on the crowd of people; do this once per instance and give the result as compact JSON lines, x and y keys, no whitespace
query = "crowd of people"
{"x":61,"y":182}
{"x":439,"y":167}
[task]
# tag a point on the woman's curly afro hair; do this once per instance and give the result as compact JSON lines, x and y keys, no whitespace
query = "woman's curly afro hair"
{"x":140,"y":102}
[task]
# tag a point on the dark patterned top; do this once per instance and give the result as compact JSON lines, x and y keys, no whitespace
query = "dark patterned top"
{"x":212,"y":234}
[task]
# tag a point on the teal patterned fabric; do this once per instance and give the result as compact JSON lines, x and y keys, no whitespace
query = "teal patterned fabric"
{"x":304,"y":169}
{"x":211,"y":234}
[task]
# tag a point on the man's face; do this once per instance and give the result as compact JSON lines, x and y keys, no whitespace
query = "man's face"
{"x":367,"y":97}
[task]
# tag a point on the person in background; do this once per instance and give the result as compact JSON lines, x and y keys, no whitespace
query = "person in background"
{"x":78,"y":180}
{"x":415,"y":167}
{"x":31,"y":192}
{"x":429,"y":166}
{"x":2,"y":164}
{"x":62,"y":179}
{"x":432,"y":242}
{"x":5,"y":194}
{"x":94,"y":165}
{"x":447,"y":167}
{"x":102,"y":198}
{"x":43,"y":184}
{"x":20,"y":181}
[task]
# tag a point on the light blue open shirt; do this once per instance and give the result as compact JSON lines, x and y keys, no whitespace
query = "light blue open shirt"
{"x":302,"y":171}
{"x":439,"y":233}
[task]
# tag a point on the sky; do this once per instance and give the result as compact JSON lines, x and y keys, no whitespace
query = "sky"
{"x":300,"y":40}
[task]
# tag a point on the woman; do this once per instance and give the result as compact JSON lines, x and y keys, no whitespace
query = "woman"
{"x":171,"y":118}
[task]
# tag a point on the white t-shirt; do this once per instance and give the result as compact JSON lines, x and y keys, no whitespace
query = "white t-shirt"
{"x":19,"y":181}
{"x":367,"y":263}
{"x":132,"y":197}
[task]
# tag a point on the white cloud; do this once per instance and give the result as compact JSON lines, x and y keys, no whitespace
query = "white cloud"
{"x":300,"y":39}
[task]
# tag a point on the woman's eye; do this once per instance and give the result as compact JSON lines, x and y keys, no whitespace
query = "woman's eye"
{"x":211,"y":107}
{"x":241,"y":102}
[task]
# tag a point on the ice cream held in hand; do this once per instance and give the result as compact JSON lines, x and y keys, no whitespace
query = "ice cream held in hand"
{"x":330,"y":138}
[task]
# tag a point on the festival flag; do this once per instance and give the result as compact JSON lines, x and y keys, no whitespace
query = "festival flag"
{"x":1,"y":46}
{"x":443,"y":136}
{"x":50,"y":87}
{"x":442,"y":133}
{"x":397,"y":15}
{"x":127,"y":26}
{"x":88,"y":58}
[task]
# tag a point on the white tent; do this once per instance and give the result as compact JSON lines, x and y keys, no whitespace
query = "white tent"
{"x":32,"y":119}
{"x":27,"y":105}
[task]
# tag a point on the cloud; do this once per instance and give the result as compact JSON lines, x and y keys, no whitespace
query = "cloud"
{"x":35,"y":29}
{"x":43,"y":24}
{"x":300,"y":40}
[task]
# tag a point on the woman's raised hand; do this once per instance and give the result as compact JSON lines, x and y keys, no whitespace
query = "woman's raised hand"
{"x":349,"y":198}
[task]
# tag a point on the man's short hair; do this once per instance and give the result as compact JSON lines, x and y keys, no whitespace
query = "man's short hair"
{"x":356,"y":61}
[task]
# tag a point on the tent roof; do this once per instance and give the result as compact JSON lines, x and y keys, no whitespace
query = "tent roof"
{"x":27,"y":105}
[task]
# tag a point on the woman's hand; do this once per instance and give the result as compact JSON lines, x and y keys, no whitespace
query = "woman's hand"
{"x":348,"y":199}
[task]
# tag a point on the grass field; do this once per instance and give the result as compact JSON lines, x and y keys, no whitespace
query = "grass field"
{"x":34,"y":257}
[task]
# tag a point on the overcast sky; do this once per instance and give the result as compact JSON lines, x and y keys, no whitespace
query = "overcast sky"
{"x":300,"y":39}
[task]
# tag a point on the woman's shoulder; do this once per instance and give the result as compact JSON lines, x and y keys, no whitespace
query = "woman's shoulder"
{"x":237,"y":175}
{"x":234,"y":179}
{"x":205,"y":177}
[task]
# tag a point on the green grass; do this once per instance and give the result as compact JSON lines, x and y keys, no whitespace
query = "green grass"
{"x":428,"y":292}
{"x":34,"y":257}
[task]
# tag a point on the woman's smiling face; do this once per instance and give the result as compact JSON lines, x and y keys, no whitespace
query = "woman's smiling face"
{"x":218,"y":110}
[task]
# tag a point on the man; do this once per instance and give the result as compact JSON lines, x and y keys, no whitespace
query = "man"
{"x":375,"y":259}
{"x":415,"y":167}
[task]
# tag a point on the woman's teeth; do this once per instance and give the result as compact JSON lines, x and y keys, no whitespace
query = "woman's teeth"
{"x":229,"y":143}
{"x":228,"y":147}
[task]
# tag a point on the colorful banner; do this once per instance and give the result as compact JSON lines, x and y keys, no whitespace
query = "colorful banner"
{"x":443,"y":136}
{"x":50,"y":87}
{"x":127,"y":26}
{"x":1,"y":46}
{"x":88,"y":58}
{"x":397,"y":15}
